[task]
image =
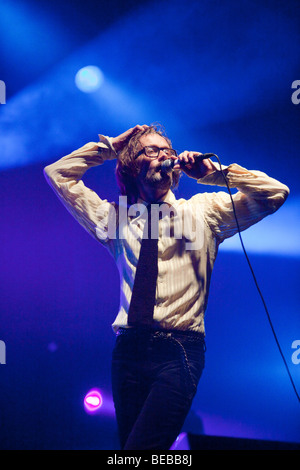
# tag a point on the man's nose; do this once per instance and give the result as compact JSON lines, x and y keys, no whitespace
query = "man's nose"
{"x":163,"y":155}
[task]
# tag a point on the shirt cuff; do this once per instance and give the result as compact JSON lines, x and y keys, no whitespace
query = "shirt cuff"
{"x":215,"y":178}
{"x":105,"y":148}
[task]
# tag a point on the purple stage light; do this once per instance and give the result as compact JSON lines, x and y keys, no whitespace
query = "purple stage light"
{"x":93,"y":401}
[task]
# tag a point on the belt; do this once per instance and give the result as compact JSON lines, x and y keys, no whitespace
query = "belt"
{"x":160,"y":333}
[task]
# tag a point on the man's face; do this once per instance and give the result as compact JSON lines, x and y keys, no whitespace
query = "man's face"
{"x":150,"y":168}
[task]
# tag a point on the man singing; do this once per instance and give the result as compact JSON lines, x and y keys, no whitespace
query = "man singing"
{"x":165,"y":249}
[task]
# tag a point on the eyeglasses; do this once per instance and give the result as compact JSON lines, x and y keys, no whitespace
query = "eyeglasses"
{"x":153,"y":151}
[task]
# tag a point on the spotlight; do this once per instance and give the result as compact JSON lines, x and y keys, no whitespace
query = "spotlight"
{"x":89,"y":79}
{"x":93,"y":401}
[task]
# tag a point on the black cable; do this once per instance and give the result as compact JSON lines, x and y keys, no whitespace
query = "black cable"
{"x":255,"y":280}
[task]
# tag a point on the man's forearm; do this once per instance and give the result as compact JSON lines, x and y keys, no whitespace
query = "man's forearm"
{"x":254,"y":184}
{"x":64,"y":176}
{"x":73,"y":166}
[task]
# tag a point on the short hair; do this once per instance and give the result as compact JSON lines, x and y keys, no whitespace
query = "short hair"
{"x":127,"y":169}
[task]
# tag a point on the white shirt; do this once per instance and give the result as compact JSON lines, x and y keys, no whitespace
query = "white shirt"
{"x":185,"y":263}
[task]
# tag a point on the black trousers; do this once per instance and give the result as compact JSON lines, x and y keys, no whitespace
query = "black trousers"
{"x":154,"y":380}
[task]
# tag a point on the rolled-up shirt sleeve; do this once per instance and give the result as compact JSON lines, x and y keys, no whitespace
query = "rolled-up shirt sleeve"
{"x":65,"y":178}
{"x":257,"y":196}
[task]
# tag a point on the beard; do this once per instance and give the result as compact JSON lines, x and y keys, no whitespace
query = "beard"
{"x":158,"y":179}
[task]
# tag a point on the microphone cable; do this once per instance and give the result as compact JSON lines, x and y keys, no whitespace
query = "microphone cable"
{"x":255,"y":280}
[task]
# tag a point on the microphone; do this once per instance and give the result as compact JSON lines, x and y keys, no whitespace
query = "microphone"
{"x":168,"y":165}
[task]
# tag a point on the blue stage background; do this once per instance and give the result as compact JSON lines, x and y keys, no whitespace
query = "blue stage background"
{"x":218,"y":76}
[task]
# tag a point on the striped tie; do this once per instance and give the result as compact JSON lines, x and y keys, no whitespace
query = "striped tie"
{"x":144,"y":289}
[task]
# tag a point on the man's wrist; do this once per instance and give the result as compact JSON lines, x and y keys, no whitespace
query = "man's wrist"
{"x":106,"y":148}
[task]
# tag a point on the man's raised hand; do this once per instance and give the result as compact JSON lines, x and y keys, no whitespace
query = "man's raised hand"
{"x":121,"y":140}
{"x":194,"y":167}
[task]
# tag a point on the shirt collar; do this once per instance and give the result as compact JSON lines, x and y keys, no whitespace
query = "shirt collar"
{"x":169,"y":198}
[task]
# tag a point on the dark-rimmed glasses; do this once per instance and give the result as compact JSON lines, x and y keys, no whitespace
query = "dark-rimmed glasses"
{"x":152,"y":151}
